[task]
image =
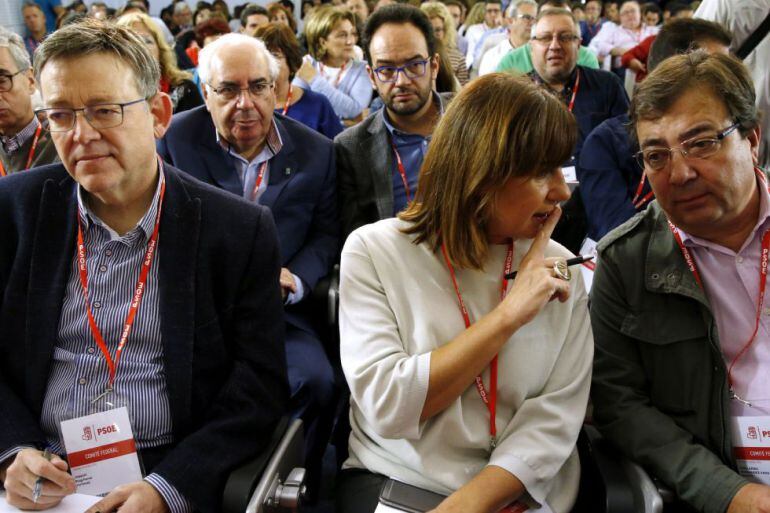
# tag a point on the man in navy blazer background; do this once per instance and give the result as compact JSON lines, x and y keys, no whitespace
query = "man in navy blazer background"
{"x":203,"y":369}
{"x":237,"y":143}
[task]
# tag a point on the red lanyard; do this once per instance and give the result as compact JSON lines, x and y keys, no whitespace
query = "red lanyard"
{"x":258,"y":181}
{"x":402,"y":172}
{"x":574,"y":91}
{"x":762,"y":285}
{"x":288,"y":101}
{"x":490,"y":399}
{"x":339,"y":77}
{"x":141,"y":285}
{"x":31,"y":155}
{"x":639,"y":202}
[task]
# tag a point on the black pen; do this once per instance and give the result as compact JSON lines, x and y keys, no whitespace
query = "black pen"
{"x":570,"y":261}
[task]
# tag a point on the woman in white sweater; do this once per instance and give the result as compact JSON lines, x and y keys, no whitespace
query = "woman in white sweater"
{"x":463,"y":382}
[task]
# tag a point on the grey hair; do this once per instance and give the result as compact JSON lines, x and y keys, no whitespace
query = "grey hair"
{"x":207,"y":54}
{"x":92,"y":36}
{"x":179,"y":7}
{"x":16,"y":48}
{"x":513,"y":9}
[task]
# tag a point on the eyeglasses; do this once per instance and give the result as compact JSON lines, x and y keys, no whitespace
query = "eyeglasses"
{"x":657,"y":158}
{"x":563,"y":38}
{"x":413,"y":69}
{"x":103,"y":115}
{"x":230,"y":92}
{"x":6,"y":81}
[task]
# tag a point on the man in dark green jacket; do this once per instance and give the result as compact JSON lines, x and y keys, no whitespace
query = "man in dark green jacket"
{"x":667,"y":335}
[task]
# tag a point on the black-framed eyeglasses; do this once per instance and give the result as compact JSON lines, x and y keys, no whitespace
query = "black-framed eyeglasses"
{"x":412,"y":69}
{"x":564,"y":38}
{"x":103,"y":115}
{"x":656,"y":158}
{"x":6,"y":80}
{"x":230,"y":92}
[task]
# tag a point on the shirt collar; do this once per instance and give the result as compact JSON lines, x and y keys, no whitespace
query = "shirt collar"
{"x":762,"y":219}
{"x":566,"y":93}
{"x":437,"y":100}
{"x":273,"y":144}
{"x":146,"y":224}
{"x":13,"y":143}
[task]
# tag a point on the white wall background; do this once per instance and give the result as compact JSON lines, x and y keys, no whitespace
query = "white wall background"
{"x":10,"y":15}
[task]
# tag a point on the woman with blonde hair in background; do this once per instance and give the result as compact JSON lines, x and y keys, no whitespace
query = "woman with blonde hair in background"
{"x":464,"y":380}
{"x":176,"y":83}
{"x":331,"y":67}
{"x":444,"y":29}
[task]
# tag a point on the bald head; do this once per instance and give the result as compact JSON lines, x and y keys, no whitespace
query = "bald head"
{"x":228,"y":47}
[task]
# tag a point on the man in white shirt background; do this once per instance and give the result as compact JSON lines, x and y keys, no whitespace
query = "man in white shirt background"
{"x":519,"y":17}
{"x":476,"y":34}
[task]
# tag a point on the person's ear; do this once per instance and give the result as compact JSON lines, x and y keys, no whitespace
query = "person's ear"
{"x":755,"y":138}
{"x":32,"y":82}
{"x":162,"y":110}
{"x":372,"y":79}
{"x":435,"y":63}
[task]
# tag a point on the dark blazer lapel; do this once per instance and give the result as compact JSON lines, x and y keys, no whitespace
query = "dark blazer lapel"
{"x":178,"y":250}
{"x":283,"y":167}
{"x":218,"y":163}
{"x":49,"y":269}
{"x":376,"y":149}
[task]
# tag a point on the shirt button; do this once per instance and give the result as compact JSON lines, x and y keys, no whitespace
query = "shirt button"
{"x":108,"y":252}
{"x":91,"y":350}
{"x":103,"y":268}
{"x":82,"y":381}
{"x":97,"y":304}
{"x":739,"y":259}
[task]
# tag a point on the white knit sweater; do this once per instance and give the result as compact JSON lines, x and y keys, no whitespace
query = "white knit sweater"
{"x":397,"y":304}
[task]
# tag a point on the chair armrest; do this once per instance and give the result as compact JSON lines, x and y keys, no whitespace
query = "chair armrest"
{"x":326,"y":296}
{"x":243,"y":480}
{"x":628,"y":488}
{"x":282,"y":487}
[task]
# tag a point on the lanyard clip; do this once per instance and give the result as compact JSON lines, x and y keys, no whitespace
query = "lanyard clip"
{"x":103,"y":394}
{"x":735,"y":396}
{"x":492,"y":443}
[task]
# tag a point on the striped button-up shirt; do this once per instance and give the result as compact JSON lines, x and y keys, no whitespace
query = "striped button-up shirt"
{"x":12,"y":143}
{"x":79,"y":372}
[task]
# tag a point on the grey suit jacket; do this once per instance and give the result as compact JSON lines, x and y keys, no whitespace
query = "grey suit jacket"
{"x":364,"y":171}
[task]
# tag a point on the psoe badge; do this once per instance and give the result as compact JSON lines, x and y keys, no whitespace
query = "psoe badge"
{"x":101,"y":451}
{"x":751,"y":447}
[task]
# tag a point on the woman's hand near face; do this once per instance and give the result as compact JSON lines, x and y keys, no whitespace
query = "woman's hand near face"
{"x":454,"y":366}
{"x":535,"y":284}
{"x":307,"y":72}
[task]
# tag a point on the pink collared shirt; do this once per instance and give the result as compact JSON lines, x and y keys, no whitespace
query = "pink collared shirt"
{"x":731,"y":284}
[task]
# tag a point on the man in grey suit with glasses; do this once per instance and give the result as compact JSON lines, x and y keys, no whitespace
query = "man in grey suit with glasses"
{"x":379,"y":159}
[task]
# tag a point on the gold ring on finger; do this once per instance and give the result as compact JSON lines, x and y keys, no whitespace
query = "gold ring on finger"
{"x":561,"y":270}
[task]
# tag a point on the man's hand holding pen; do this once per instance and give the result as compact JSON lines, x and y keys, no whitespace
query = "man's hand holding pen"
{"x":29,"y":467}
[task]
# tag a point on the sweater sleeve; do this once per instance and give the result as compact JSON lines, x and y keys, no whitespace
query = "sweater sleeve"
{"x":351,"y":97}
{"x":542,"y":434}
{"x":388,"y":385}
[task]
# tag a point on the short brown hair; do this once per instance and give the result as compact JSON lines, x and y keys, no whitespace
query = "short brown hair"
{"x":724,"y":75}
{"x":319,"y":25}
{"x":279,"y":38}
{"x":273,"y":10}
{"x":479,"y":144}
{"x":93,"y":36}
